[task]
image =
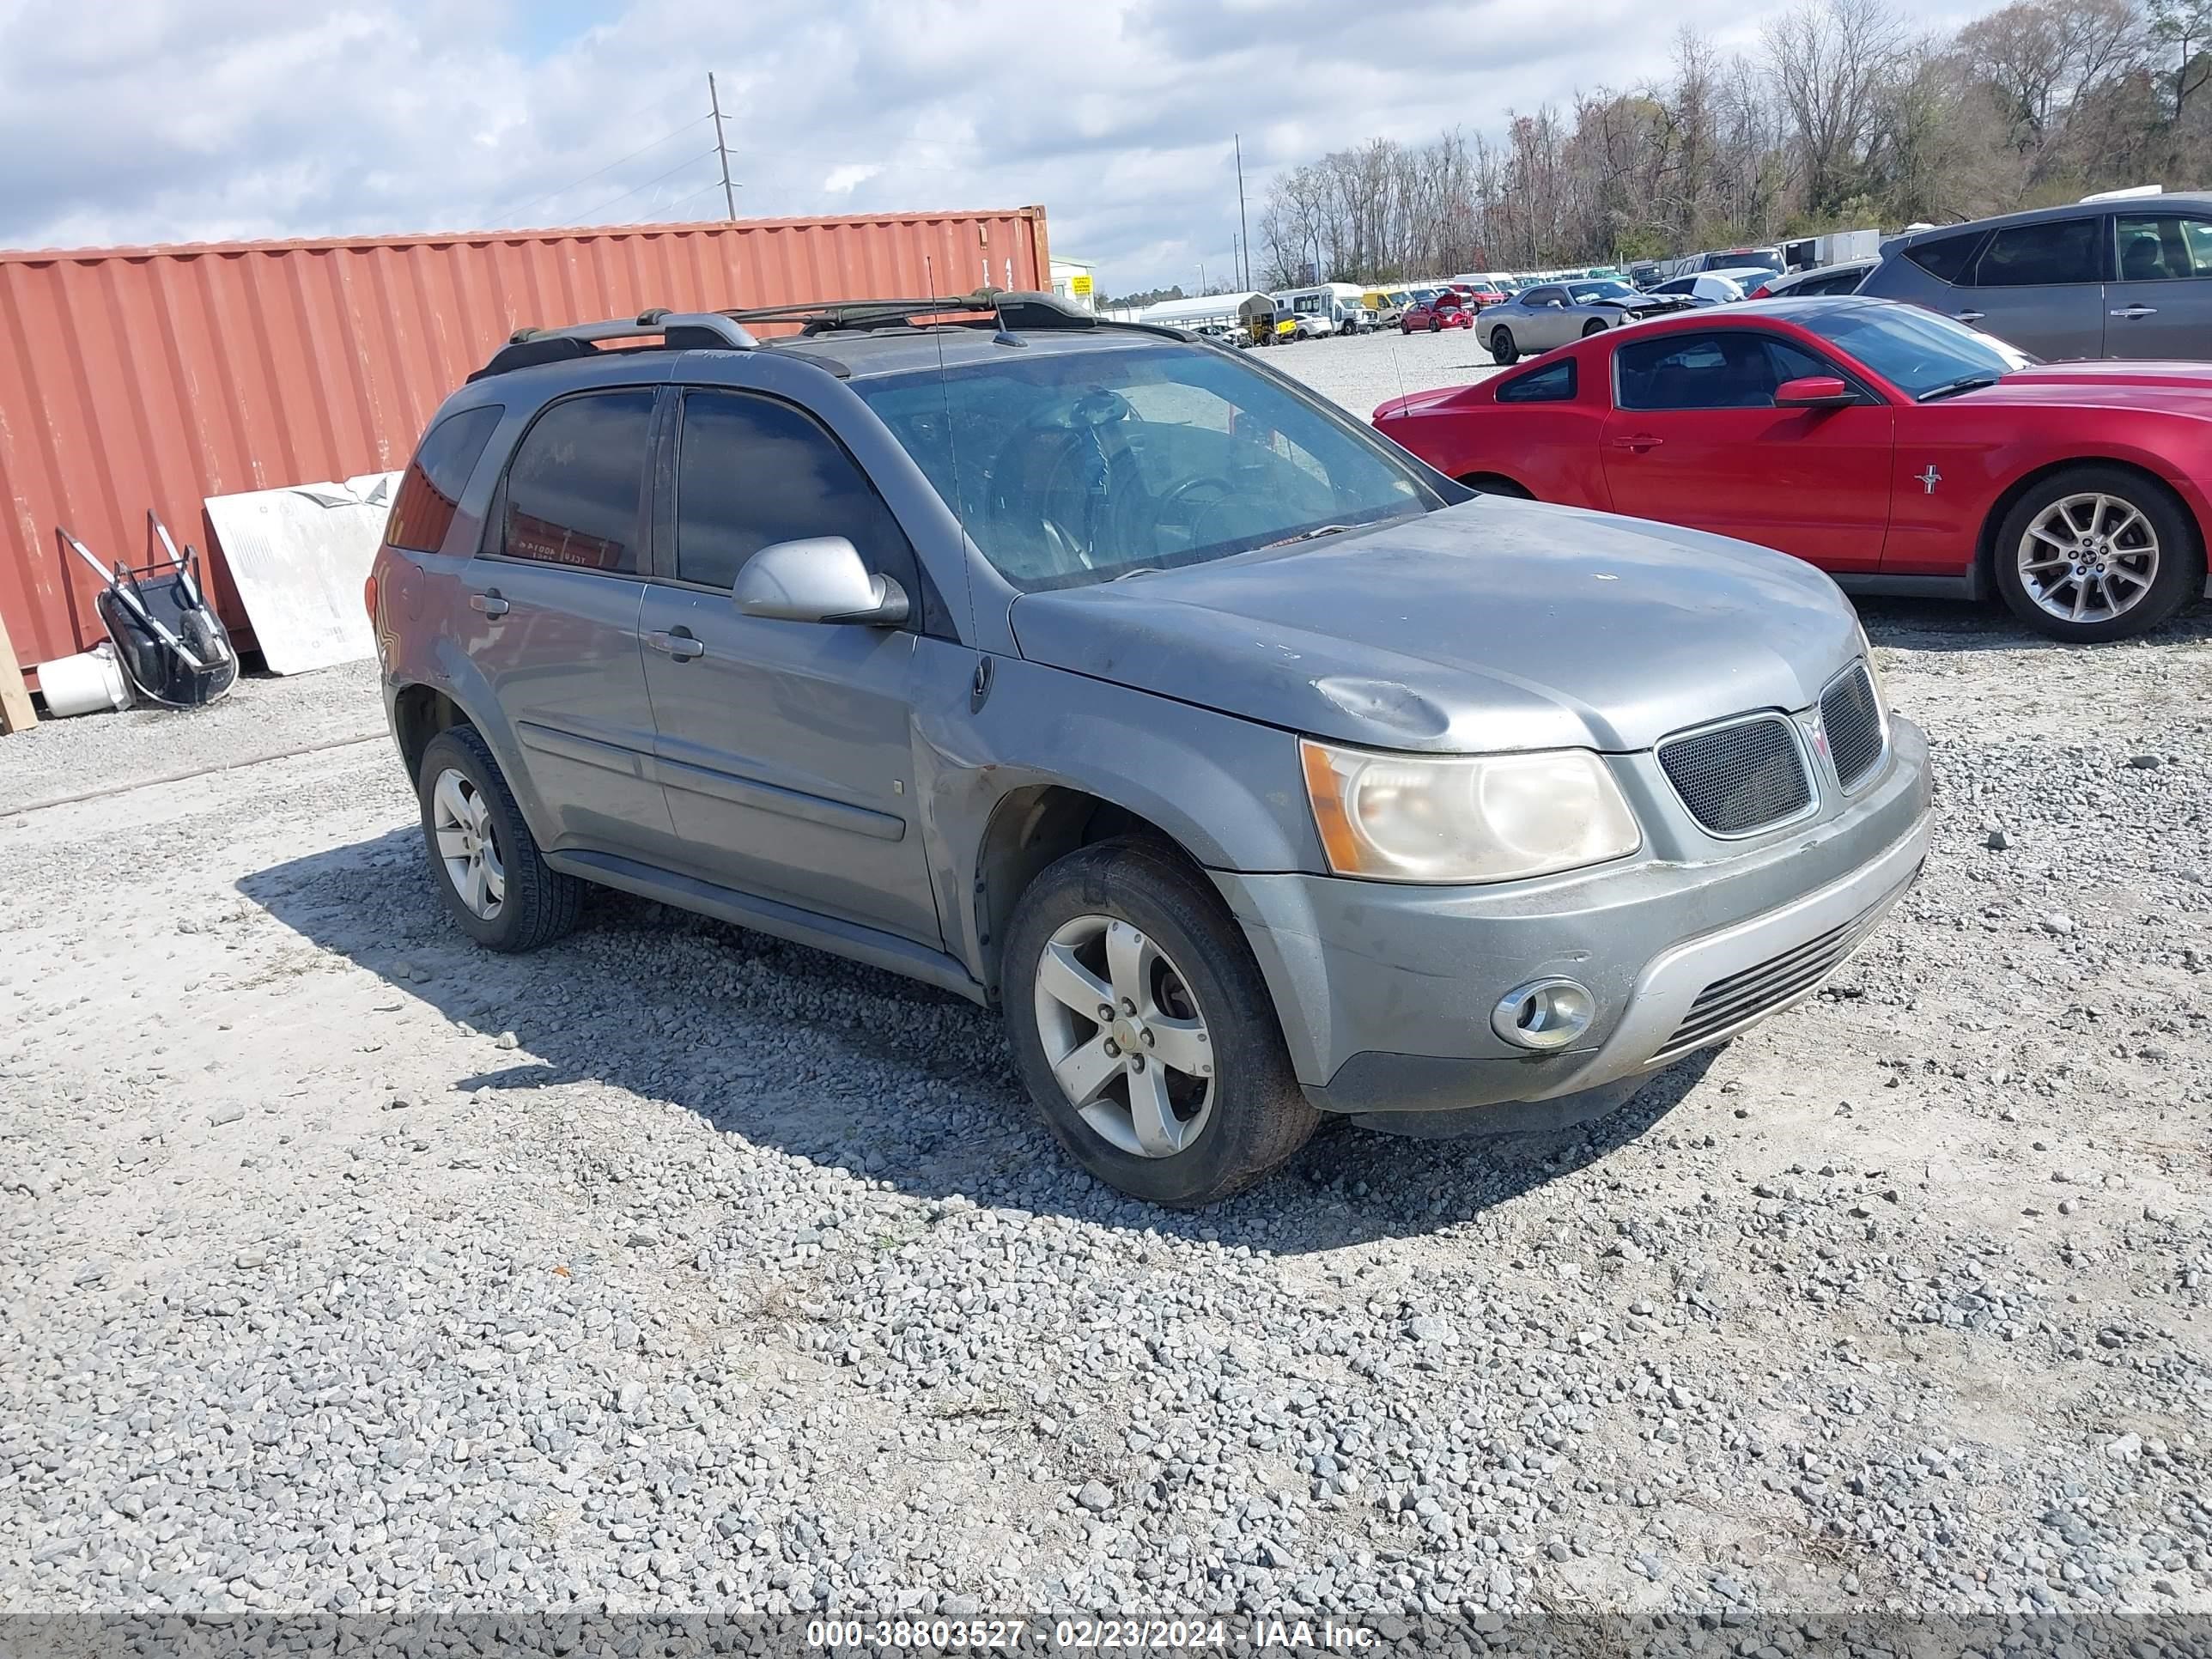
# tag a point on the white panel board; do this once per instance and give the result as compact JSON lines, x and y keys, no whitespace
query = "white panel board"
{"x":299,"y":557}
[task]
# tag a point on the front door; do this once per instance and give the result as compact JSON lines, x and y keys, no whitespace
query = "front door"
{"x":2161,"y":304}
{"x":1694,"y":438}
{"x":785,"y":747}
{"x":554,"y":598}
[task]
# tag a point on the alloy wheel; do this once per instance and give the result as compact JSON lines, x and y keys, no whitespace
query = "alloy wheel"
{"x":2088,"y":557}
{"x":1125,"y":1038}
{"x":461,"y":818}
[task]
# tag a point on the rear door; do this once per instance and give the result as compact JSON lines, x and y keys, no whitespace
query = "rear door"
{"x":2160,"y":303}
{"x":554,"y":597}
{"x":1694,"y":438}
{"x":786,"y":746}
{"x":2041,"y":286}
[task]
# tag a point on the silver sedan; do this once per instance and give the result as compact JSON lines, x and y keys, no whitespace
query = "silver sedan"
{"x":1552,"y":313}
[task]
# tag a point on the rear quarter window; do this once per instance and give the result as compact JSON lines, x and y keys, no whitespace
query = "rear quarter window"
{"x":1553,"y":383}
{"x":1946,"y":257}
{"x":430,"y":490}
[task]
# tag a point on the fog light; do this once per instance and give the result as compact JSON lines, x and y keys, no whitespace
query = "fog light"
{"x":1544,"y":1014}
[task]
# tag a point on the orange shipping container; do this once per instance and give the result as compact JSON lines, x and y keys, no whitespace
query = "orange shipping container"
{"x":132,"y":378}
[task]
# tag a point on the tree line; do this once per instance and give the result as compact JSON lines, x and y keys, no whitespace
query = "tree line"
{"x":1843,"y":116}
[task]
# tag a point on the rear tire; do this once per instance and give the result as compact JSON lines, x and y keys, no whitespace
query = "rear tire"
{"x":2141,"y":531}
{"x":478,"y":843}
{"x":1134,"y":917}
{"x":1502,"y":349}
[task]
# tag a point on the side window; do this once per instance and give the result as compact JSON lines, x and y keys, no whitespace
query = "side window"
{"x":1554,"y":385}
{"x":1734,"y":369}
{"x":575,"y":489}
{"x":2040,"y":255}
{"x":2158,"y":247}
{"x":423,"y":512}
{"x":752,"y":471}
{"x":1946,"y":257}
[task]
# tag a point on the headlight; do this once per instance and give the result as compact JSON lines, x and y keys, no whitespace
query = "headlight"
{"x":1464,"y":817}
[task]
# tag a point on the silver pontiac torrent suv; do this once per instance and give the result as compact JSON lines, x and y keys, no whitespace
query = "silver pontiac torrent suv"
{"x":1106,"y":677}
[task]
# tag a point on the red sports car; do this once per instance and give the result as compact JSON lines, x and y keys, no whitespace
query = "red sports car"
{"x":1447,"y":310}
{"x":1898,"y":451}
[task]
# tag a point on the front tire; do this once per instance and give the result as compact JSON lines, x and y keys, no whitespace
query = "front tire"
{"x":1593,"y":326}
{"x":1502,"y":349}
{"x":2097,"y":553}
{"x":496,"y":885}
{"x":1434,"y":325}
{"x":1143,"y":1030}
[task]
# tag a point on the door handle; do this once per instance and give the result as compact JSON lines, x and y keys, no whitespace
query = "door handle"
{"x":2133,"y":311}
{"x":490,"y":604}
{"x":678,"y":644}
{"x":1968,"y":316}
{"x":1640,"y":442}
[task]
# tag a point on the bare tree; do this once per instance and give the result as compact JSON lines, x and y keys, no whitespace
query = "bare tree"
{"x":1832,"y":61}
{"x":1840,"y":120}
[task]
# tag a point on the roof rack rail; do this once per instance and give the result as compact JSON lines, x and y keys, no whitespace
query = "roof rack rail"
{"x":679,"y":330}
{"x":1010,"y":307}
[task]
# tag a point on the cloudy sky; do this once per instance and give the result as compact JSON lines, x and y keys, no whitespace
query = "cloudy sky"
{"x":137,"y":121}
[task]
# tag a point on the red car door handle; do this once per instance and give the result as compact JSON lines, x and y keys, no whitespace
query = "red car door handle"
{"x":1640,"y":442}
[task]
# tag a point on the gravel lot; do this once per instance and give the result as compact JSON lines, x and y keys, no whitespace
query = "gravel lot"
{"x":343,"y":1267}
{"x":1361,"y":373}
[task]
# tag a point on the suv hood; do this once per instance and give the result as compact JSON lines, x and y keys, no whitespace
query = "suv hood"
{"x":1493,"y":625}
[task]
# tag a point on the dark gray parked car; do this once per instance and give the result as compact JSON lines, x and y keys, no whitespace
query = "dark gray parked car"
{"x":1102,"y":674}
{"x":2124,"y":279}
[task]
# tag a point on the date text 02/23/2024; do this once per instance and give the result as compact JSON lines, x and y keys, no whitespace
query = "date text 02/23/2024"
{"x":1090,"y":1635}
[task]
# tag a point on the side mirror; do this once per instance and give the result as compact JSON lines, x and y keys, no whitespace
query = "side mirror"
{"x":820,"y":578}
{"x":1814,"y":391}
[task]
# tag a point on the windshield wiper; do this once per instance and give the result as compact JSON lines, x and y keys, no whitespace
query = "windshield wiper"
{"x":1141,"y":570}
{"x":1306,"y":535}
{"x":1973,"y":382}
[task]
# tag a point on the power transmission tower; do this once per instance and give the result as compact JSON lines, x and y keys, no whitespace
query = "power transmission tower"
{"x":729,"y":196}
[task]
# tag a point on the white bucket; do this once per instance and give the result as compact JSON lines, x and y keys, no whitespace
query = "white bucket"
{"x":89,"y":681}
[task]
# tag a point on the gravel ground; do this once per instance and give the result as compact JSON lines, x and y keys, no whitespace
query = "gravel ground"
{"x":263,"y":715}
{"x":344,"y":1267}
{"x":1362,"y":373}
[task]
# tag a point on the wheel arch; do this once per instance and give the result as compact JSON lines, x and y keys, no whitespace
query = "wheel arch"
{"x":1985,"y":545}
{"x":419,"y":713}
{"x":1497,"y":483}
{"x":421,"y":708}
{"x":1031,"y":828}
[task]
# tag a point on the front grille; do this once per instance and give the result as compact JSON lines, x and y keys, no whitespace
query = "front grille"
{"x":1741,"y":998}
{"x":1740,"y":778}
{"x":1852,"y":717}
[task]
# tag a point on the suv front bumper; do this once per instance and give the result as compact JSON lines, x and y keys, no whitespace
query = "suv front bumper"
{"x":1384,"y":992}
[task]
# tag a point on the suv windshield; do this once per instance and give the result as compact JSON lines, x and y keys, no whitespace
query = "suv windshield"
{"x":1915,"y":351}
{"x":1079,"y":466}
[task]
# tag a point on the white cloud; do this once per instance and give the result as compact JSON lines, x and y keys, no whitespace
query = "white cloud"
{"x":843,"y":181}
{"x":134,"y":121}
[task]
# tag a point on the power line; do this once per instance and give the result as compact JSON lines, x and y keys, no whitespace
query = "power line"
{"x":599,"y":172}
{"x":692,"y":161}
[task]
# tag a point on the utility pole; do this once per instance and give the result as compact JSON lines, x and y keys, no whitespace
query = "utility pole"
{"x":715,"y":101}
{"x":1244,"y":228}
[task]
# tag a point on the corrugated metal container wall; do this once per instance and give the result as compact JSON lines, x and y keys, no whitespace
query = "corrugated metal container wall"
{"x":132,"y":378}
